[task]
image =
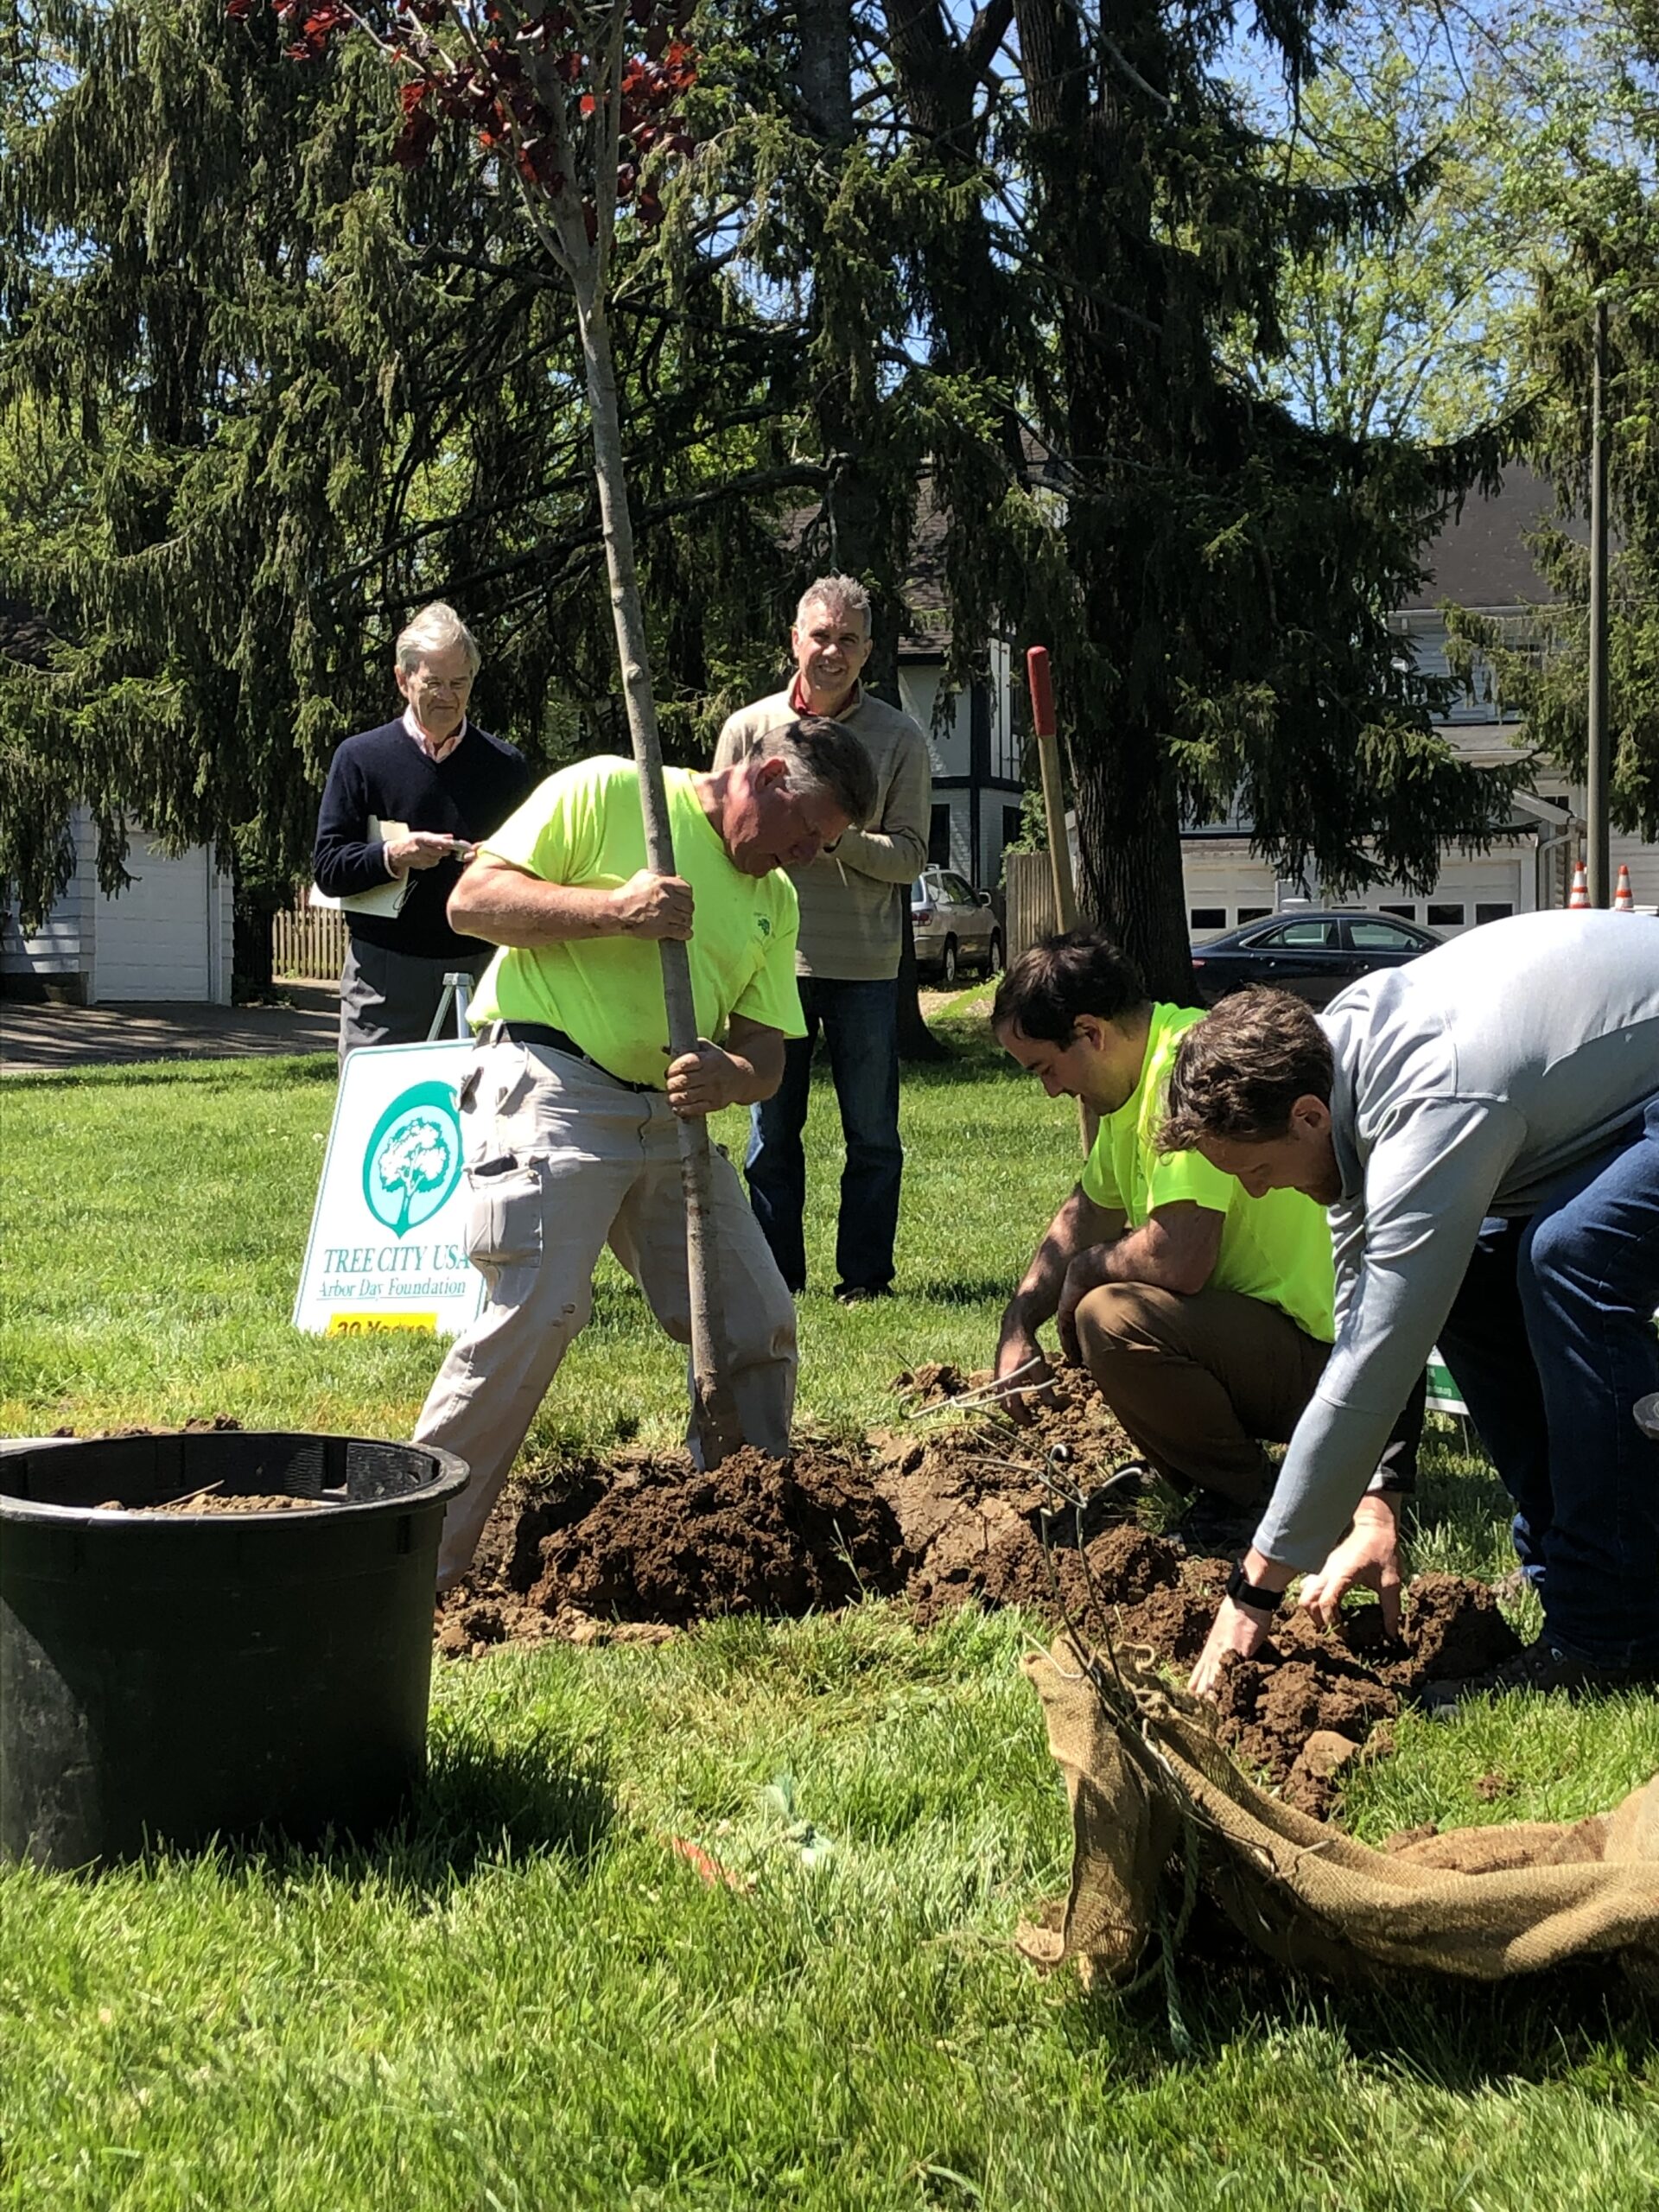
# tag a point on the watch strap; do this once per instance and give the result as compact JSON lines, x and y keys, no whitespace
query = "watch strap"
{"x":1243,"y":1591}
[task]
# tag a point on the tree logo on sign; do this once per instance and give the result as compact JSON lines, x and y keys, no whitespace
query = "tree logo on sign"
{"x":412,"y":1162}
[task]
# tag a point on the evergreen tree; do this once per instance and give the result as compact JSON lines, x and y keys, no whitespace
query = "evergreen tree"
{"x":1218,"y":623}
{"x":1542,"y":668}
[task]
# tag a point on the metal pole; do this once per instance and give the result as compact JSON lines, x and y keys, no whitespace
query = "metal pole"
{"x":1598,"y":733}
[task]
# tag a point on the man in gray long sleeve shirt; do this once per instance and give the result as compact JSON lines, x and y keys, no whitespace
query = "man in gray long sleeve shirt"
{"x":1484,"y":1125}
{"x":846,"y":961}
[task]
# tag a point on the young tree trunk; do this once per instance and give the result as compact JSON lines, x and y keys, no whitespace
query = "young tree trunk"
{"x":714,"y":1408}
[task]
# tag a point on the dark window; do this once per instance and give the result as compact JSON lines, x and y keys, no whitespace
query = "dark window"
{"x":1207,"y":918}
{"x":1446,"y":918}
{"x":1010,"y":824}
{"x":1492,"y":910}
{"x":939,"y":837}
{"x":1406,"y":914}
{"x":1383,"y":937}
{"x":1253,"y":915}
{"x":1301,"y":936}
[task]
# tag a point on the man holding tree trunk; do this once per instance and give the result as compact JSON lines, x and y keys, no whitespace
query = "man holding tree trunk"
{"x":570,"y":1107}
{"x":852,"y":921}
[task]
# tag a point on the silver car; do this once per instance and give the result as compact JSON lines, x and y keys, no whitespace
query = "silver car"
{"x":955,"y":926}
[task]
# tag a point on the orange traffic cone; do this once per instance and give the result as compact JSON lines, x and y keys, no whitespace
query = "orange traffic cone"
{"x":1580,"y":895}
{"x":1624,"y":899}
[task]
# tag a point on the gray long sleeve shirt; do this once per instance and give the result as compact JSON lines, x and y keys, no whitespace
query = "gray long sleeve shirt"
{"x":1465,"y":1083}
{"x":852,"y":915}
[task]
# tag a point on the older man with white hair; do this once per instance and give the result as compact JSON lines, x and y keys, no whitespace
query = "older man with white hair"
{"x":852,"y":922}
{"x":411,"y":800}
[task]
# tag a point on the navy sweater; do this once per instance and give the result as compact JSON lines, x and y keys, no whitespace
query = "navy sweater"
{"x":468,"y":794}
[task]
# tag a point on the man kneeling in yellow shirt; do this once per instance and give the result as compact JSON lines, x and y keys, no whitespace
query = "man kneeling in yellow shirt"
{"x":1205,"y":1315}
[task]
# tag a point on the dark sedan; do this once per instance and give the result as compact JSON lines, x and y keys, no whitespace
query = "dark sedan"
{"x":1312,"y":954}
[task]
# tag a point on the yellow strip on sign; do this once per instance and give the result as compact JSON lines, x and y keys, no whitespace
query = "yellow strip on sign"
{"x":372,"y":1324}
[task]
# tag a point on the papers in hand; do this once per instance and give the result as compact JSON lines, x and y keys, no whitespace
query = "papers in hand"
{"x":385,"y":900}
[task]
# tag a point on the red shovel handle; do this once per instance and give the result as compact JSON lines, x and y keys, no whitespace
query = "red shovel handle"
{"x":1042,"y":691}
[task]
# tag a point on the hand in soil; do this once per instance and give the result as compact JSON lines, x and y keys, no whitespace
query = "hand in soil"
{"x":1236,"y":1630}
{"x":1368,"y":1558}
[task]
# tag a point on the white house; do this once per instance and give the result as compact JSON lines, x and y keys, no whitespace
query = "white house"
{"x":1480,"y":563}
{"x":167,"y":936}
{"x":975,"y":750}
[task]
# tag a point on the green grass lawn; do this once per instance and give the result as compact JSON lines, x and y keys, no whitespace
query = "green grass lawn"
{"x":526,"y":1999}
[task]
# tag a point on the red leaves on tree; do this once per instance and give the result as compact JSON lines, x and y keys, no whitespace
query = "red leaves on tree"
{"x":487,"y":89}
{"x":415,"y":140}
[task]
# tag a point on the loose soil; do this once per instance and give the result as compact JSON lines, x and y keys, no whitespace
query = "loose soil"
{"x":943,"y":1513}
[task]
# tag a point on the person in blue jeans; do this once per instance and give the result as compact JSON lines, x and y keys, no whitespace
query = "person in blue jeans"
{"x":847,"y":963}
{"x":1484,"y":1125}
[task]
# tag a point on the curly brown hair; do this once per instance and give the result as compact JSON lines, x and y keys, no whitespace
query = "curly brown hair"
{"x":1239,"y":1071}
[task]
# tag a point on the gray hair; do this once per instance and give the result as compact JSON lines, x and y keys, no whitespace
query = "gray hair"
{"x":434,"y":630}
{"x":841,"y":595}
{"x":824,"y":756}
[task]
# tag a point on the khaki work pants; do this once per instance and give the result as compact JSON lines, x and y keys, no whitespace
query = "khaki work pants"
{"x":561,"y":1160}
{"x":1199,"y":1382}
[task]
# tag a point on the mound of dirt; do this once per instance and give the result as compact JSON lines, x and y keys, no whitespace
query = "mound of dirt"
{"x":659,"y":1544}
{"x":976,"y":1511}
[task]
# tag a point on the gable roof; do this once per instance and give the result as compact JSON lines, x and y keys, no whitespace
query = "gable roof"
{"x":1479,"y":559}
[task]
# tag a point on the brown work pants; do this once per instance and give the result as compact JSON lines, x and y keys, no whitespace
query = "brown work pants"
{"x":1198,"y":1382}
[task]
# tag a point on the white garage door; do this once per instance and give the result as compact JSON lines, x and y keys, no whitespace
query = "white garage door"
{"x":153,"y":941}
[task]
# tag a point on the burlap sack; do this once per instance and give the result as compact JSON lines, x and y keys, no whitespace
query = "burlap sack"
{"x":1149,"y":1785}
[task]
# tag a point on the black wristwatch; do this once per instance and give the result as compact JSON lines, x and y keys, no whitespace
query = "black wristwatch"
{"x":1243,"y":1591}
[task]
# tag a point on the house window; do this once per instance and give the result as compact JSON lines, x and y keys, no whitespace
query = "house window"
{"x":1208,"y":918}
{"x":1401,"y":913}
{"x":1492,"y":910}
{"x":1253,"y":915}
{"x":1446,"y":918}
{"x":939,"y":837}
{"x":1010,"y":824}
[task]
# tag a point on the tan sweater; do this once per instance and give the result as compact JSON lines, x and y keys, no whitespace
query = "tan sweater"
{"x":851,"y":916}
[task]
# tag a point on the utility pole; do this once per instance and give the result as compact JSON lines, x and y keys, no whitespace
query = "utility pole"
{"x":1599,"y":736}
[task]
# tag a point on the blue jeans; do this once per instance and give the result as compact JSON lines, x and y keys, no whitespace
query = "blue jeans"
{"x":1551,"y":1342}
{"x":859,"y":1022}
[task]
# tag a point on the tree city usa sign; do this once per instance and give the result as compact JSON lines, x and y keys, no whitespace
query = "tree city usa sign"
{"x":386,"y":1250}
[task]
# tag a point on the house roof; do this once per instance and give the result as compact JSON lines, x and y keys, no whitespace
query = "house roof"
{"x":1479,"y":558}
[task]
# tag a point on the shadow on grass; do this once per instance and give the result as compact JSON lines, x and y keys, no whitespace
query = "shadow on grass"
{"x":1585,"y":2022}
{"x":252,"y":1070}
{"x":959,"y":1290}
{"x":483,"y":1804}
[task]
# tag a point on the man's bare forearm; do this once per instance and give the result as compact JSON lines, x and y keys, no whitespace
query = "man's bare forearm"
{"x":506,"y":904}
{"x":1078,"y":1224}
{"x":1180,"y":1259}
{"x":520,"y":911}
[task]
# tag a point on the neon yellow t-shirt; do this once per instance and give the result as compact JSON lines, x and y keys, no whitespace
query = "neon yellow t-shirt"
{"x":1276,"y":1248}
{"x":583,"y":826}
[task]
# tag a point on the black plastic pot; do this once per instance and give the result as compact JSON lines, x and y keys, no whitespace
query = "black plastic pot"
{"x":169,"y":1677}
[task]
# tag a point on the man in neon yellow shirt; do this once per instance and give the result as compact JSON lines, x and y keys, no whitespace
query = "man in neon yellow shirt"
{"x":570,"y":1107}
{"x":1206,"y":1316}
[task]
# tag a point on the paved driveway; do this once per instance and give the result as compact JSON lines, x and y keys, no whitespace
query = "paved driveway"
{"x":50,"y":1039}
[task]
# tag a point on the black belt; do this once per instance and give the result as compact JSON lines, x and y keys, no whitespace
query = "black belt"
{"x":554,"y":1040}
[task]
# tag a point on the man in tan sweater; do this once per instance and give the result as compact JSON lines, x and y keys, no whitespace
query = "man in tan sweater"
{"x":852,"y":917}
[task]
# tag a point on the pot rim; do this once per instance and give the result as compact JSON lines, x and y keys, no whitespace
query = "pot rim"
{"x":450,"y":1477}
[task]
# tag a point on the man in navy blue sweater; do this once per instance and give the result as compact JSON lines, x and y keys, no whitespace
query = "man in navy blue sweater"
{"x":439,"y":784}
